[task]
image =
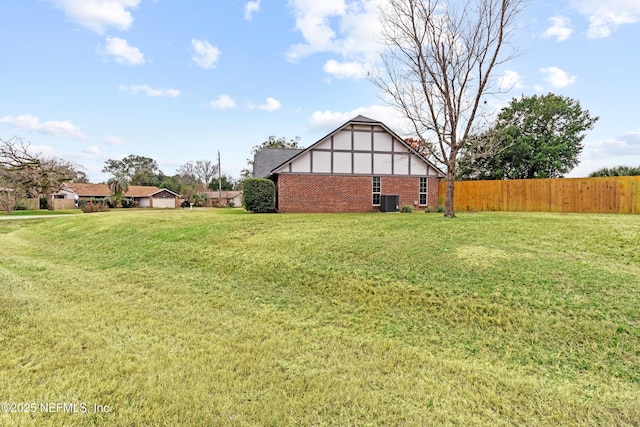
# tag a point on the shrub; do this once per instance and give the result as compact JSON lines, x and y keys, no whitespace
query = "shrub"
{"x":128,"y":203}
{"x":259,"y":195}
{"x":44,"y":203}
{"x":439,"y":209}
{"x":199,"y":199}
{"x":93,"y":205}
{"x":406,"y":208}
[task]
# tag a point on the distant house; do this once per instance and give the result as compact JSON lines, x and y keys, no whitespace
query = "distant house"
{"x":145,"y":195}
{"x":224,"y":198}
{"x":358,"y":167}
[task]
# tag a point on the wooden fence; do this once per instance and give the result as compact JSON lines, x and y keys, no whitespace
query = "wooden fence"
{"x":607,"y":194}
{"x":32,"y":204}
{"x":62,"y":204}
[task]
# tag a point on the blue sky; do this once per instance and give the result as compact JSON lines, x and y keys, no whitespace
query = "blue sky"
{"x":91,"y":80}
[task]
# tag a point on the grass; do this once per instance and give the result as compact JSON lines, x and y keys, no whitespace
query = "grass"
{"x":42,"y":212}
{"x":222,"y":318}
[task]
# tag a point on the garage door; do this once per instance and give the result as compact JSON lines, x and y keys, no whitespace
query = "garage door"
{"x":164,"y":203}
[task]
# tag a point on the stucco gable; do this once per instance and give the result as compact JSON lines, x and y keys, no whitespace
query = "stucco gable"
{"x":361,"y":146}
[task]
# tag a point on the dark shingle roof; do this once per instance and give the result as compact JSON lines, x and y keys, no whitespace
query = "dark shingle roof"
{"x":265,"y":160}
{"x":362,"y":119}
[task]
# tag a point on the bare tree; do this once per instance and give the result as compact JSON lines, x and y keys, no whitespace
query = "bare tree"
{"x":437,"y":67}
{"x":198,"y":173}
{"x":32,"y":173}
{"x":206,"y":170}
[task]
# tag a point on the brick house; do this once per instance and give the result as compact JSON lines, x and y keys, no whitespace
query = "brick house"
{"x":353,"y":169}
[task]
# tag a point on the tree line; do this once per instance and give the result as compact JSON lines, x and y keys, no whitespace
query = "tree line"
{"x":191,"y":179}
{"x":25,"y":174}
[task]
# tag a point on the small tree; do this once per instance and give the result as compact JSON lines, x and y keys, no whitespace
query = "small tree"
{"x":259,"y":195}
{"x":9,"y":196}
{"x":118,"y":185}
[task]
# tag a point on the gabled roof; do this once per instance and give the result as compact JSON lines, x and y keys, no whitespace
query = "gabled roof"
{"x":102,"y":190}
{"x":266,"y":160}
{"x":360,"y":119}
{"x":88,"y":190}
{"x":160,"y":190}
{"x":144,"y":191}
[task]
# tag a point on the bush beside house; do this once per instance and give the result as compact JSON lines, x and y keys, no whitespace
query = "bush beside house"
{"x":259,"y":195}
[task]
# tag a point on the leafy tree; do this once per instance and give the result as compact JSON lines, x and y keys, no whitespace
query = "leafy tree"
{"x":172,"y":183}
{"x":138,"y":170}
{"x":541,"y":135}
{"x":271,"y":142}
{"x":228,"y":183}
{"x":616,"y":171}
{"x":438,"y":65}
{"x":33,"y":174}
{"x":144,"y":177}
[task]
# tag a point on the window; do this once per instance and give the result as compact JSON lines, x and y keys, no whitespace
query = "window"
{"x":375,"y":190}
{"x":424,"y":192}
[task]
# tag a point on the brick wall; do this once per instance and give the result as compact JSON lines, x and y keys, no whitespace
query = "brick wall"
{"x":338,"y":193}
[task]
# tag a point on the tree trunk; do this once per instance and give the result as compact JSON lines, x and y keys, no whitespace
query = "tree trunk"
{"x":448,"y":204}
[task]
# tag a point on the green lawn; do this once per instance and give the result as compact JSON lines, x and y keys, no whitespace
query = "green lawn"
{"x":217,"y":317}
{"x":41,"y":212}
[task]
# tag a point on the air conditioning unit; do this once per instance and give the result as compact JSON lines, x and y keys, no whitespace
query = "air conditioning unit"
{"x":389,"y":202}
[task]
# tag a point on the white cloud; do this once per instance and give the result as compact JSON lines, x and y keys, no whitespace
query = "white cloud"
{"x":150,"y":91}
{"x":510,"y":80}
{"x":123,"y":53}
{"x":561,"y":29}
{"x":327,"y":121}
{"x":223,"y":102}
{"x":624,"y":145}
{"x":250,"y":8}
{"x":615,"y":151}
{"x":92,"y":150}
{"x":98,"y":15}
{"x":607,"y":16}
{"x":312,"y":20}
{"x":345,"y":70}
{"x":271,"y":105}
{"x":45,"y":150}
{"x":557,"y":78}
{"x":30,"y":123}
{"x":113,"y":140}
{"x":206,"y":55}
{"x":336,"y":26}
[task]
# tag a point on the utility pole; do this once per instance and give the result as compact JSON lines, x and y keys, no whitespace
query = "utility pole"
{"x":219,"y":182}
